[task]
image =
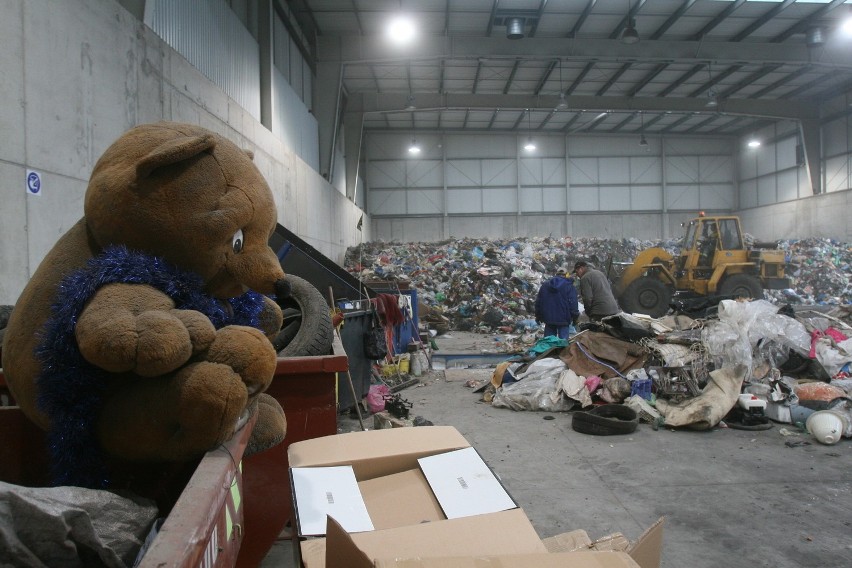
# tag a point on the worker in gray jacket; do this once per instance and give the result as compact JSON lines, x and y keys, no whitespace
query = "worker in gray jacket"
{"x":595,"y":291}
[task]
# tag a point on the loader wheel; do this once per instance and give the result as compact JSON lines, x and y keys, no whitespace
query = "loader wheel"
{"x":647,"y":295}
{"x":742,"y":286}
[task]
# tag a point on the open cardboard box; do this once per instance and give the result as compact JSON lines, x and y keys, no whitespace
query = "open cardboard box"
{"x":411,"y":529}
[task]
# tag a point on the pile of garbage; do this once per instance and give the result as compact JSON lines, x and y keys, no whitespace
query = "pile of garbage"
{"x":490,"y":285}
{"x":750,"y":366}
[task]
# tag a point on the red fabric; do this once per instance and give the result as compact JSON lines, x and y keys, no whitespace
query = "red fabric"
{"x":388,"y":308}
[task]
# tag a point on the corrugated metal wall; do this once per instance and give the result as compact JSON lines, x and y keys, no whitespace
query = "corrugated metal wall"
{"x":211,"y":37}
{"x":478,"y":174}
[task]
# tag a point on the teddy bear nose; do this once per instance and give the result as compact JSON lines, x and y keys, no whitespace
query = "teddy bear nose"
{"x":282,"y":289}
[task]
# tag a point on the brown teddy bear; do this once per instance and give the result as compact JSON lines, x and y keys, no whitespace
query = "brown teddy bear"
{"x":137,"y":339}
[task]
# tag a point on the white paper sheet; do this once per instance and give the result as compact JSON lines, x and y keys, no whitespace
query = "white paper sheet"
{"x":332,"y":491}
{"x":464,"y":485}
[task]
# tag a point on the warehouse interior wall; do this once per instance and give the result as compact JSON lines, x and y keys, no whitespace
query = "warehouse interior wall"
{"x":76,"y":75}
{"x":488,"y":185}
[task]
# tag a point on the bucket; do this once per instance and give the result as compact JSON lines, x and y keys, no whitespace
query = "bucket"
{"x":403,"y":365}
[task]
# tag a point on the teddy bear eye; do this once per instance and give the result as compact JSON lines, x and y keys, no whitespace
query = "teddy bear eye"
{"x":237,"y":241}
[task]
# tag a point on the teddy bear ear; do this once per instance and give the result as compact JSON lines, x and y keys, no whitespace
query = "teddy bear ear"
{"x":174,"y":151}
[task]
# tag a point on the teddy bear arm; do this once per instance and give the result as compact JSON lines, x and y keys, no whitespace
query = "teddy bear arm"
{"x":131,"y":327}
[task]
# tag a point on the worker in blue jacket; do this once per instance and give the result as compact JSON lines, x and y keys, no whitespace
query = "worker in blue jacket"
{"x":556,"y":305}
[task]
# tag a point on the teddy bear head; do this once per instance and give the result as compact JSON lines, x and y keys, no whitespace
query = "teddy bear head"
{"x":184,"y":194}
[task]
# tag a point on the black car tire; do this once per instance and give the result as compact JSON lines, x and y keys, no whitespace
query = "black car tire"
{"x":606,"y":420}
{"x":307,"y":328}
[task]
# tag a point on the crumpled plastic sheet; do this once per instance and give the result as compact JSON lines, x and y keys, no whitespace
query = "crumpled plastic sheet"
{"x":538,"y":388}
{"x":490,"y":284}
{"x":71,"y":527}
{"x":732,"y":339}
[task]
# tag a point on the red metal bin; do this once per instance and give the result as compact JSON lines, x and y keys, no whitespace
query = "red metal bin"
{"x":232,"y":509}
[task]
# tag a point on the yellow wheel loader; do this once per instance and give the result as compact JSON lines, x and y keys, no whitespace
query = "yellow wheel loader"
{"x":714,"y":260}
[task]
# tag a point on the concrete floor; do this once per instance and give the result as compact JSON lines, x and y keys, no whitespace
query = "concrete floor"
{"x":730,"y":497}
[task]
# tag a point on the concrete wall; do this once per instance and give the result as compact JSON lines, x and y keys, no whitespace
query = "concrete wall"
{"x":78,"y":73}
{"x":825,"y":215}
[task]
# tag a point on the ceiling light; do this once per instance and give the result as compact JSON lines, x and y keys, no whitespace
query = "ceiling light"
{"x":642,"y":140}
{"x":563,"y":101}
{"x":409,"y":103}
{"x":530,"y":145}
{"x":401,"y":30}
{"x":630,"y":35}
{"x":414,"y":149}
{"x":515,"y":28}
{"x":754,"y":143}
{"x":846,"y":26}
{"x":814,"y":36}
{"x":712,"y":99}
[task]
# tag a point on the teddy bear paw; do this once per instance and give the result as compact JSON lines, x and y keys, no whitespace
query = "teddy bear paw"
{"x":271,"y":425}
{"x":248,"y":352}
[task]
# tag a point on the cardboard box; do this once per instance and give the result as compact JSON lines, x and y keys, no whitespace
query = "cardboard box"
{"x":411,"y":529}
{"x":558,"y":560}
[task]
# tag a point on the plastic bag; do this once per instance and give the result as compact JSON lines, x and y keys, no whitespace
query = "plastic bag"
{"x":537,"y":388}
{"x":375,"y":343}
{"x":376,"y":397}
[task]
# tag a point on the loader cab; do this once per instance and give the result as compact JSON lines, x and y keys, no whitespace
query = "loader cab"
{"x":707,"y":243}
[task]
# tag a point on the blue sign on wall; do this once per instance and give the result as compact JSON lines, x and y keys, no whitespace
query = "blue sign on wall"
{"x":33,"y":182}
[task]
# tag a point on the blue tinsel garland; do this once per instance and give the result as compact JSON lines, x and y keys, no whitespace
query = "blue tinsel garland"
{"x":71,"y":389}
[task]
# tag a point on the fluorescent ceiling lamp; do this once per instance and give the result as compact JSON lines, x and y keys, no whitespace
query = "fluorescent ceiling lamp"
{"x":754,"y":143}
{"x":630,"y":35}
{"x":401,"y":30}
{"x":530,"y":145}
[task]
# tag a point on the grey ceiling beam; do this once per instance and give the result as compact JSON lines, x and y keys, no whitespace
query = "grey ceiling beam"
{"x":547,"y":119}
{"x":543,"y":81}
{"x":396,"y":102}
{"x":511,"y":76}
{"x":493,"y":118}
{"x":476,"y":76}
{"x":490,"y":27}
{"x":681,"y":80}
{"x":611,"y":81}
{"x":658,"y":33}
{"x":579,"y":78}
{"x":761,"y":21}
{"x":368,"y":49}
{"x":707,"y":120}
{"x":621,"y":124}
{"x":700,"y":91}
{"x":803,"y":24}
{"x":520,"y":119}
{"x":538,"y":16}
{"x":806,"y":87}
{"x":357,"y":17}
{"x":582,"y":19}
{"x":652,"y":122}
{"x":718,"y":19}
{"x":676,"y":123}
{"x":780,"y":82}
{"x":749,"y":80}
{"x":571,"y":122}
{"x":647,"y":79}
